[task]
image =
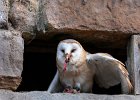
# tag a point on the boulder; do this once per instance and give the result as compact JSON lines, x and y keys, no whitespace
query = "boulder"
{"x":11,"y":59}
{"x":101,"y":22}
{"x":94,"y":15}
{"x":23,"y":17}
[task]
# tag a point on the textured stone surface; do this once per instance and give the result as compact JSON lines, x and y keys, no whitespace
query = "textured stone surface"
{"x":73,"y":15}
{"x":96,"y":15}
{"x":4,"y":8}
{"x":133,"y":62}
{"x":36,"y":95}
{"x":11,"y":59}
{"x":101,"y":22}
{"x":23,"y":16}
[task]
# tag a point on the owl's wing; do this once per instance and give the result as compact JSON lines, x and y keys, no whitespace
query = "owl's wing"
{"x":109,"y":71}
{"x":55,"y":85}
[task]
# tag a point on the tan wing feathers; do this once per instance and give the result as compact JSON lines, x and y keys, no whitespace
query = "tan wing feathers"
{"x":108,"y":59}
{"x":130,"y":86}
{"x":122,"y":67}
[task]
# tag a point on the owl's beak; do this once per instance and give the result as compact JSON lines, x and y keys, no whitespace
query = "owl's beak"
{"x":68,"y":56}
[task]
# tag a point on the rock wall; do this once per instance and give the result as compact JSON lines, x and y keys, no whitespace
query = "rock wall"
{"x":99,"y":22}
{"x":86,"y":20}
{"x":11,"y":51}
{"x":74,"y":15}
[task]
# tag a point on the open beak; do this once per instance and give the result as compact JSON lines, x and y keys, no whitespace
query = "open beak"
{"x":68,"y":56}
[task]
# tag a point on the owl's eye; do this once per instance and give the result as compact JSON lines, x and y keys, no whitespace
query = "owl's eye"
{"x":63,"y":50}
{"x":73,"y":50}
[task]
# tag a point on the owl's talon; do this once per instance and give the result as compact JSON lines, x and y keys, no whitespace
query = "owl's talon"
{"x":76,"y":90}
{"x":68,"y":90}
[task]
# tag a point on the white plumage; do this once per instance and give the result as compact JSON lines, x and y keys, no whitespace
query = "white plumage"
{"x":78,"y":69}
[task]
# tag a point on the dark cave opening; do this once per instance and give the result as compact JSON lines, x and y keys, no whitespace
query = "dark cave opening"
{"x":40,"y":66}
{"x":39,"y":70}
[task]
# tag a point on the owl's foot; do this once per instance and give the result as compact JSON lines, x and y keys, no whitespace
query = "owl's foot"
{"x":68,"y":90}
{"x":76,"y":90}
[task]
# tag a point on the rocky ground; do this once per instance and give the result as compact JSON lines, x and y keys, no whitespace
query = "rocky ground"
{"x":38,"y":95}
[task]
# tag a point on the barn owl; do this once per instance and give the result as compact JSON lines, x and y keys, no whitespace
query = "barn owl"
{"x":78,"y":70}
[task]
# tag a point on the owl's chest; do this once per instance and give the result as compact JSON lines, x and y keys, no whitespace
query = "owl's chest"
{"x":75,"y":76}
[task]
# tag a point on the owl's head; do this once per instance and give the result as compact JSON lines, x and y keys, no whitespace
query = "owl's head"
{"x":69,"y":51}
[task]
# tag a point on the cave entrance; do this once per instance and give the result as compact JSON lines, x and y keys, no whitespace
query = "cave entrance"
{"x":38,"y":66}
{"x":40,"y":63}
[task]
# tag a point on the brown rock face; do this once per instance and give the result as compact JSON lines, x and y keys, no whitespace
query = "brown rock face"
{"x":22,"y":15}
{"x":11,"y":59}
{"x":110,"y":15}
{"x":100,"y":21}
{"x":104,"y":23}
{"x":96,"y":15}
